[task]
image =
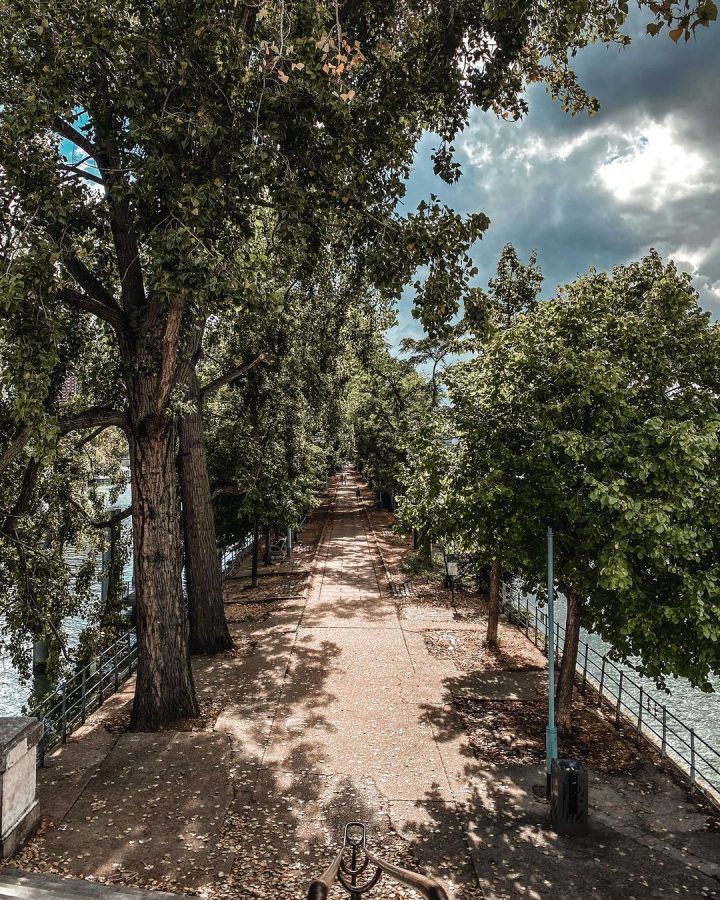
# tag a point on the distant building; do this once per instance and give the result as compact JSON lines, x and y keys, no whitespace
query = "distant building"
{"x":69,"y":389}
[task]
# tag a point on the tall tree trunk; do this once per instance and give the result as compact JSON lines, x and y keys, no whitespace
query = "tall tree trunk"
{"x":424,"y":546}
{"x":165,"y":691}
{"x":566,"y":678}
{"x":493,"y":604}
{"x":209,"y":632}
{"x":255,"y":553}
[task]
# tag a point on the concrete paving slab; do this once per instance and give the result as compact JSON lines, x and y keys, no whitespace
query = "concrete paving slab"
{"x":18,"y":885}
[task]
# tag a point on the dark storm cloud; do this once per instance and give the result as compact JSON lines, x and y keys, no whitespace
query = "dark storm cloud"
{"x":600,"y":191}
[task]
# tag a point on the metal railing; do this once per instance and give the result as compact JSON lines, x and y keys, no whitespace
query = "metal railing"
{"x":80,"y":694}
{"x":228,"y":557}
{"x":630,"y":701}
{"x":69,"y":704}
{"x":351,"y":864}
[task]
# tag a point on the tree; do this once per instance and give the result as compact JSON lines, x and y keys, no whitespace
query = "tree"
{"x":513,"y":292}
{"x":390,"y":399}
{"x":137,"y":144}
{"x":438,"y":488}
{"x":131,"y":183}
{"x":515,"y":288}
{"x":208,"y":630}
{"x":428,"y":480}
{"x":275,"y":434}
{"x":599,"y":415}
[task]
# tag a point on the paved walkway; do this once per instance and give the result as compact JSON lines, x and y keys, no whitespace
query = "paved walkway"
{"x":333,"y":710}
{"x":350,"y":737}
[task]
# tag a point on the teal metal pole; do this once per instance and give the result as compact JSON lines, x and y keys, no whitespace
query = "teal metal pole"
{"x":551,"y":730}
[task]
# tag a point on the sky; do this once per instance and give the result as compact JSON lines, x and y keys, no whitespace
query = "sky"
{"x":602,"y":190}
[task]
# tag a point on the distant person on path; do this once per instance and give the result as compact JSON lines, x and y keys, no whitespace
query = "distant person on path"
{"x":357,"y":493}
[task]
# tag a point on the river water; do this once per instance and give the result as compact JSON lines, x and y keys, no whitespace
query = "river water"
{"x":692,"y":718}
{"x":699,"y":710}
{"x":14,"y":690}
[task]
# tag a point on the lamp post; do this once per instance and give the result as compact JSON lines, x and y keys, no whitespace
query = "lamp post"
{"x":551,"y":730}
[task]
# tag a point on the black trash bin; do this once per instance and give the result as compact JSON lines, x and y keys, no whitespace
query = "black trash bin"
{"x":569,"y":801}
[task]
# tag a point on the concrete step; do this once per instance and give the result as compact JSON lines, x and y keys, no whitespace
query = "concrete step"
{"x":18,"y":885}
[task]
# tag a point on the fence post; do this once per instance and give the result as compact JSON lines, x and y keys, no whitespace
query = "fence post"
{"x":84,"y":693}
{"x":527,"y":616}
{"x":557,"y":640}
{"x":619,"y":698}
{"x":640,"y":712}
{"x":584,"y":680}
{"x":663,"y":746}
{"x":100,"y":679}
{"x":129,"y":654}
{"x":692,"y":758}
{"x":602,"y":682}
{"x":536,"y":625}
{"x":115,"y":667}
{"x":64,"y":711}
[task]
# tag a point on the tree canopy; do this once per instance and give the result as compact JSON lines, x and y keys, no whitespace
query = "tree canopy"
{"x":157,"y":164}
{"x":597,"y":413}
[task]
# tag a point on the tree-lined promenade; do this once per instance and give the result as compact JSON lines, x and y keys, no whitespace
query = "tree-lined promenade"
{"x":202,"y":241}
{"x":341,"y":701}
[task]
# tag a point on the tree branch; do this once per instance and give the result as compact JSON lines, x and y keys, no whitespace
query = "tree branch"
{"x":22,"y":503}
{"x":14,"y":448}
{"x":169,"y":354}
{"x":234,"y":374}
{"x":75,"y":172}
{"x":94,"y":417}
{"x":114,"y":519}
{"x":113,"y":316}
{"x":89,"y":282}
{"x":229,"y":487}
{"x":70,"y":133}
{"x":90,"y":437}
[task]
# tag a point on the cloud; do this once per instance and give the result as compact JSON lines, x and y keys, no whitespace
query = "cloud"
{"x":600,"y":191}
{"x":653,"y":165}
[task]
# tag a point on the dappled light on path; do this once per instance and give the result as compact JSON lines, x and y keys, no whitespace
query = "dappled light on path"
{"x":340,"y":703}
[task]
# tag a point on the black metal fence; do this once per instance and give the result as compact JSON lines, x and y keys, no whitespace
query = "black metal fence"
{"x":67,"y":707}
{"x":631,"y":701}
{"x":228,"y":557}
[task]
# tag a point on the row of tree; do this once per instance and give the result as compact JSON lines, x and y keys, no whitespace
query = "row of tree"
{"x":173,"y":174}
{"x":597,"y":413}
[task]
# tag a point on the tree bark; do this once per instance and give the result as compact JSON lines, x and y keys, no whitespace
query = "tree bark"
{"x":255,"y":553}
{"x":493,"y":604}
{"x":424,"y":546}
{"x":209,"y":632}
{"x":566,"y":678}
{"x":165,"y":691}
